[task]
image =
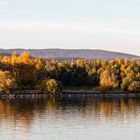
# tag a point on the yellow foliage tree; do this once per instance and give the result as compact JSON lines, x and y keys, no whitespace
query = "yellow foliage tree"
{"x":108,"y":80}
{"x":25,"y":57}
{"x":51,"y":86}
{"x":6,"y":81}
{"x":13,"y":58}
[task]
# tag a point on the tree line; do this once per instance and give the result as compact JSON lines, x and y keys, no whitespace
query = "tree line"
{"x":25,"y":72}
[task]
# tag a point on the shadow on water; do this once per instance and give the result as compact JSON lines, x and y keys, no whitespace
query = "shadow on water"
{"x":25,"y":111}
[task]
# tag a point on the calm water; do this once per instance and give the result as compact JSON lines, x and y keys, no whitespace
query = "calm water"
{"x":70,"y":119}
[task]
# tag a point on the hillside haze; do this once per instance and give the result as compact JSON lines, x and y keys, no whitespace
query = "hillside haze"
{"x":68,"y":54}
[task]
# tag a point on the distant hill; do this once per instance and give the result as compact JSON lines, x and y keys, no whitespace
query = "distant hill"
{"x":68,"y":54}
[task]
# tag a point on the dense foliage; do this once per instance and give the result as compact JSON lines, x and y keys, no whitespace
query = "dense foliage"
{"x":26,"y":72}
{"x":51,"y":86}
{"x":6,"y":81}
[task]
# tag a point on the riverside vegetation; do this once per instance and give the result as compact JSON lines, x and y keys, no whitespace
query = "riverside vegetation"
{"x":25,"y":72}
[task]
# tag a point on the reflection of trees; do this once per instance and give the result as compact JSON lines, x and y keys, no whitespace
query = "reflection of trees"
{"x":25,"y":111}
{"x":117,"y":108}
{"x":103,"y":108}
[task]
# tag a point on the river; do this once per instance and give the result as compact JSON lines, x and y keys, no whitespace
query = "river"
{"x":70,"y":118}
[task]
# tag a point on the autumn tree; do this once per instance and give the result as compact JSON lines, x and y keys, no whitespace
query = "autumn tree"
{"x":134,"y":86}
{"x":108,"y":80}
{"x":6,"y":81}
{"x":51,"y":86}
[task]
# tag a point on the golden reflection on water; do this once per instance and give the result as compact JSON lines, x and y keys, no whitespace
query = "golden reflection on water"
{"x":24,"y":112}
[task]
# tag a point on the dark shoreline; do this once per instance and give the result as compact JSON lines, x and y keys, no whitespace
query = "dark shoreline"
{"x":116,"y":93}
{"x":69,"y":93}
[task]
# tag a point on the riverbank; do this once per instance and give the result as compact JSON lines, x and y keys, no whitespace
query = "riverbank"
{"x":115,"y":93}
{"x":69,"y":93}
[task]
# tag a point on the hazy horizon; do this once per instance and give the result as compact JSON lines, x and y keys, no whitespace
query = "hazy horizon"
{"x":75,"y":24}
{"x":67,"y":49}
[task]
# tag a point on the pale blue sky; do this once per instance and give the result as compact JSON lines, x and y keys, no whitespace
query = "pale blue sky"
{"x":88,"y":24}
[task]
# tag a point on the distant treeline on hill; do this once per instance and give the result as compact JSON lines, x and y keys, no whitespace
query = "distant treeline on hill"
{"x":26,"y":72}
{"x":66,"y":54}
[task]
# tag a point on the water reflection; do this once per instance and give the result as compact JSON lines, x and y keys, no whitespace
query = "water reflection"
{"x":24,"y":110}
{"x":28,"y":115}
{"x":103,"y":108}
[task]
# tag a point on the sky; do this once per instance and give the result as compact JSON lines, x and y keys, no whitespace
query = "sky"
{"x":71,"y":24}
